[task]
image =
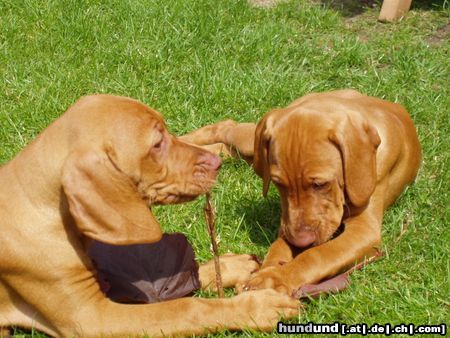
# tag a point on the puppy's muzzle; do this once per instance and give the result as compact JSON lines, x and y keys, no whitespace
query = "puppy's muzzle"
{"x":302,"y":238}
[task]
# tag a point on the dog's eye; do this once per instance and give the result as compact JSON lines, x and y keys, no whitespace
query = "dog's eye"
{"x":320,"y":185}
{"x":157,"y":146}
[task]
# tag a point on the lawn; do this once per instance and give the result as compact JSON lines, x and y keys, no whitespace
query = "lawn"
{"x":201,"y":61}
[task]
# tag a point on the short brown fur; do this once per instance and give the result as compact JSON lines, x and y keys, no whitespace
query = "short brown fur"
{"x":92,"y":174}
{"x":336,"y":158}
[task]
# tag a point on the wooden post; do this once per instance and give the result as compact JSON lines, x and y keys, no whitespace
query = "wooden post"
{"x":391,"y":10}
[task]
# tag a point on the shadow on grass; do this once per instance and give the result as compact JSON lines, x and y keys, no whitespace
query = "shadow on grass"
{"x":261,"y":218}
{"x":428,"y":4}
{"x":351,"y":8}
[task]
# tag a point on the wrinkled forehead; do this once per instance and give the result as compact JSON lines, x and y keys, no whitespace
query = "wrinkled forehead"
{"x":111,"y":121}
{"x":136,"y":121}
{"x":141,"y":115}
{"x":135,"y":127}
{"x":299,"y":143}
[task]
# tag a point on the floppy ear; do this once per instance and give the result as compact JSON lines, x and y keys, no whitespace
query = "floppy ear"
{"x":104,"y":201}
{"x":358,"y":142}
{"x":261,"y":154}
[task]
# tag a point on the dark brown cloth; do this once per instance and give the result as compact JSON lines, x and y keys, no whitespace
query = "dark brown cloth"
{"x":146,"y":273}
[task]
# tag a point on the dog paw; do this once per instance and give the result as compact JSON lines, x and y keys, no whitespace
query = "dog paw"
{"x":234,"y":268}
{"x":268,"y":278}
{"x":237,"y":268}
{"x":262,"y":309}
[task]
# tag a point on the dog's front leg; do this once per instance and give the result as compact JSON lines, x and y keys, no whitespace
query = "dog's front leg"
{"x":235,"y":138}
{"x":185,"y":316}
{"x":280,"y":253}
{"x":82,"y":310}
{"x":360,"y":239}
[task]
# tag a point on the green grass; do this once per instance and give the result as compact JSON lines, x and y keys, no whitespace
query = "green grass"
{"x":201,"y":61}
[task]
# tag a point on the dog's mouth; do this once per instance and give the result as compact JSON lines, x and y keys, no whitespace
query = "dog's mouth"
{"x":303,"y":240}
{"x":175,"y":199}
{"x":310,"y":238}
{"x":176,"y":193}
{"x":181,"y":196}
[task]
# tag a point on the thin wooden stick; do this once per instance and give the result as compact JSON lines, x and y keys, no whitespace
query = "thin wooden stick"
{"x":211,"y":223}
{"x":377,"y":255}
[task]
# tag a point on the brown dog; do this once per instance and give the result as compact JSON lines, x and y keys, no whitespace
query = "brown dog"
{"x":336,"y":158}
{"x":92,"y":175}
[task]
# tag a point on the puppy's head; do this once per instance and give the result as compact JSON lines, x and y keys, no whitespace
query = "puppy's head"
{"x":319,"y":162}
{"x":123,"y":160}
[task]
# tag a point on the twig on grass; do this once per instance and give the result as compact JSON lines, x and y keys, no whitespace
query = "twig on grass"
{"x":211,"y":223}
{"x":377,"y":255}
{"x":405,"y":226}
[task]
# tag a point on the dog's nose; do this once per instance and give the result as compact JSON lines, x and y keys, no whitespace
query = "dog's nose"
{"x":303,"y":238}
{"x":212,"y":162}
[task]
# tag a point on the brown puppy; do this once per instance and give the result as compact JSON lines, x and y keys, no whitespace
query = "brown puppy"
{"x":336,"y":157}
{"x":92,"y":174}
